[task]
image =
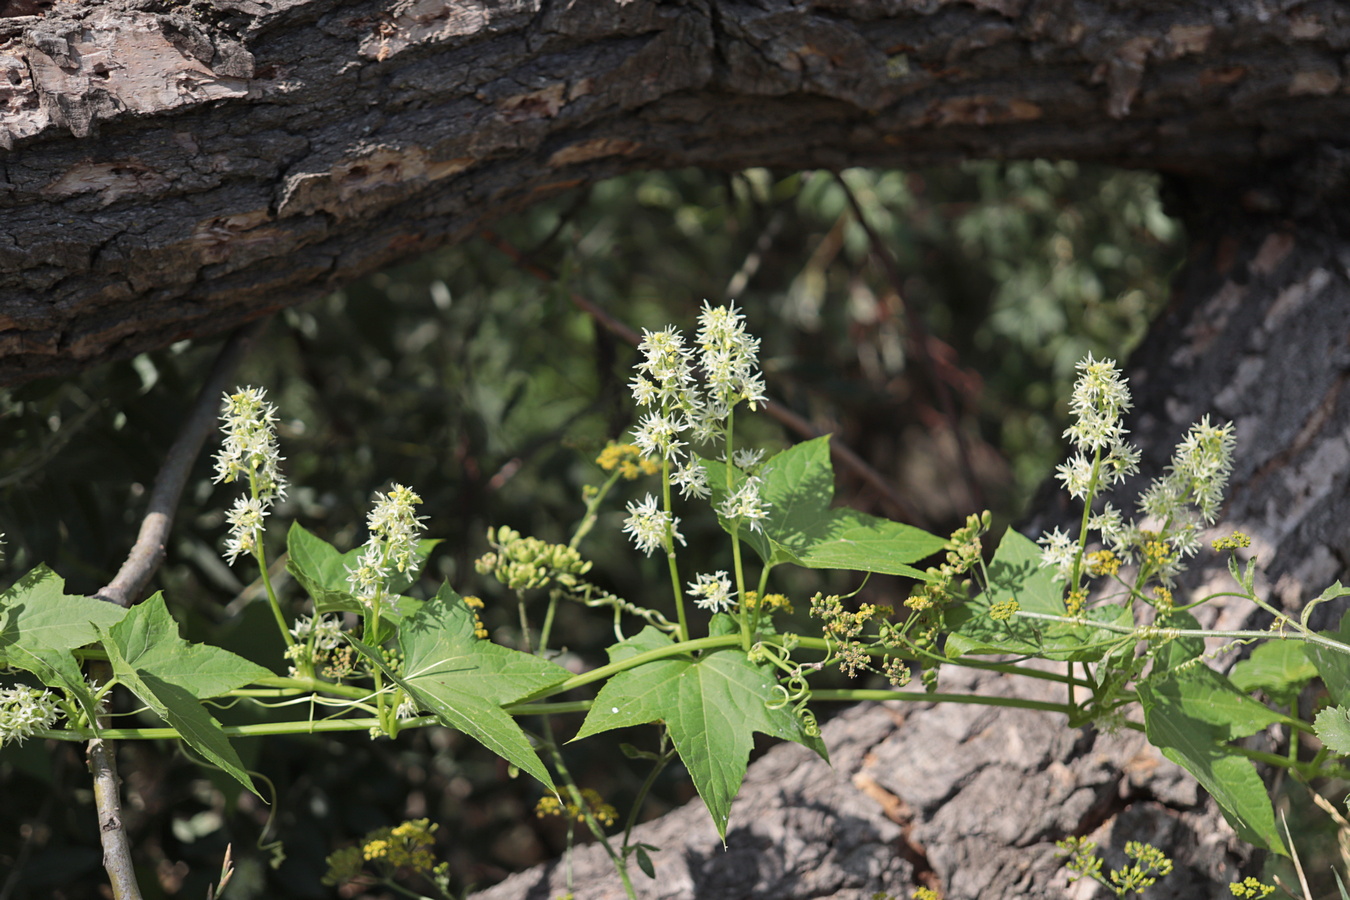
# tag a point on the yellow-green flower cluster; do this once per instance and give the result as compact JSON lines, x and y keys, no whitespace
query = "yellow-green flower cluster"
{"x":408,"y":847}
{"x":627,"y":459}
{"x":479,"y":629}
{"x":773,"y":602}
{"x":840,"y":623}
{"x":1251,"y":889}
{"x":1004,"y":610}
{"x":943,"y":584}
{"x":1234,"y":541}
{"x":1102,"y":562}
{"x":596,"y":808}
{"x":527,"y":563}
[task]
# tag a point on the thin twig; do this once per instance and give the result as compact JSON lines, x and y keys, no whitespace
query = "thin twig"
{"x":144,"y":558}
{"x":919,"y":339}
{"x":148,"y":551}
{"x":900,"y":508}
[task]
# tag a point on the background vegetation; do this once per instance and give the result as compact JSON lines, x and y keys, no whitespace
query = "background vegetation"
{"x":473,"y":376}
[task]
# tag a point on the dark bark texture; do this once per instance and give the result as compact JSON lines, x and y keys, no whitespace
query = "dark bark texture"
{"x":171,"y":169}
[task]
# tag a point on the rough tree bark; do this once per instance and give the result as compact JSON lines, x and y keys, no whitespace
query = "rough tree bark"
{"x":173,"y":169}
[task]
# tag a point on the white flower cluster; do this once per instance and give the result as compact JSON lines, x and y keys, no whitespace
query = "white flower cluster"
{"x":327,"y":631}
{"x":1100,"y":400}
{"x":1176,"y":504}
{"x":712,"y":592}
{"x":394,"y":527}
{"x":249,"y":453}
{"x":24,"y":711}
{"x":680,"y":406}
{"x":650,"y":526}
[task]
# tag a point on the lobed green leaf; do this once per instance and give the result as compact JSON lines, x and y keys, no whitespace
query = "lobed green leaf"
{"x":710,"y":704}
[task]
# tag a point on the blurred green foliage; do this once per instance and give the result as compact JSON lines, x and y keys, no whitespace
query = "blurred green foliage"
{"x":482,"y":386}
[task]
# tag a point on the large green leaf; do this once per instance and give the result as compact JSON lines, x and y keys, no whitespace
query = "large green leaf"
{"x":172,"y":702}
{"x":1190,"y":716}
{"x":321,"y":570}
{"x":802,"y":529}
{"x":1280,"y":668}
{"x":1015,"y":573}
{"x":37,"y":613}
{"x":40,"y":625}
{"x":149,"y":641}
{"x":1332,"y":665}
{"x":465,"y":681}
{"x":711,"y":705}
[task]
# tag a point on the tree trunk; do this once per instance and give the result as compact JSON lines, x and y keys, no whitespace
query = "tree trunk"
{"x":969,"y":800}
{"x":172,"y":169}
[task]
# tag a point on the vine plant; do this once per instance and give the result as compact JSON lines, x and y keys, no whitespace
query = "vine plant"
{"x":375,"y":659}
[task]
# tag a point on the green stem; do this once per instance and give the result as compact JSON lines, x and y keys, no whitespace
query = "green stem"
{"x":1149,"y":632}
{"x":642,"y":793}
{"x":1090,"y":495}
{"x":260,"y":555}
{"x":683,"y":633}
{"x":740,"y":585}
{"x":729,"y":465}
{"x":547,"y":630}
{"x":619,"y":860}
{"x":592,"y":511}
{"x":254,"y":730}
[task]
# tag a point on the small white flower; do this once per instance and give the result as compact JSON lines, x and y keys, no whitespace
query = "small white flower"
{"x":393,"y":520}
{"x":246,"y":525}
{"x":745,"y":504}
{"x":657,"y":436}
{"x":1058,"y":550}
{"x":692,"y":479}
{"x":1076,"y":474}
{"x":327,"y":631}
{"x":712,"y":592}
{"x":729,"y":358}
{"x":370,"y":573}
{"x":1203,"y":461}
{"x":747,"y":459}
{"x":407,"y":709}
{"x":249,"y":452}
{"x":650,"y":526}
{"x":394,"y":528}
{"x":1110,"y":524}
